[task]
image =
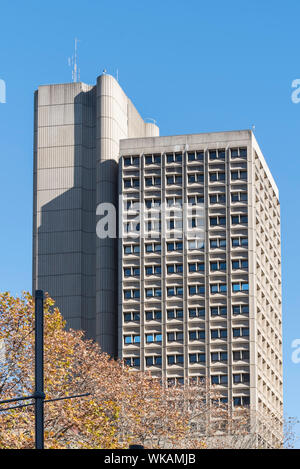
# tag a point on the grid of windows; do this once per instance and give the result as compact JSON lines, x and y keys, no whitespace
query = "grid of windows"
{"x":195,"y":297}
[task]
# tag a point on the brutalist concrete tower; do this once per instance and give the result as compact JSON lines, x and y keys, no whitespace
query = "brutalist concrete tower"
{"x":182,"y":307}
{"x":77,"y":129}
{"x":204,"y":307}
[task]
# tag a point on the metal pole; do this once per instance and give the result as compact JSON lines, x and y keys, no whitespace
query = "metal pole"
{"x":39,"y":369}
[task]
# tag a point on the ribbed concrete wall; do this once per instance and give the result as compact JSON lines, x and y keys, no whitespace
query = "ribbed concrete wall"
{"x":117,"y":119}
{"x":64,"y":200}
{"x":77,"y":129}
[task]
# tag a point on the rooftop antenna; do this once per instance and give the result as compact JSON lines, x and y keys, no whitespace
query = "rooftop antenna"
{"x":72,"y":61}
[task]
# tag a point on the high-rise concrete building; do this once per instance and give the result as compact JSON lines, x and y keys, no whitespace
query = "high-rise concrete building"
{"x":180,"y":306}
{"x":77,"y":130}
{"x":208,"y":306}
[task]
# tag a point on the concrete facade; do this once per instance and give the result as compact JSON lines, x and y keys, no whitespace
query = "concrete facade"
{"x":190,"y":309}
{"x":183,"y":309}
{"x":77,"y":129}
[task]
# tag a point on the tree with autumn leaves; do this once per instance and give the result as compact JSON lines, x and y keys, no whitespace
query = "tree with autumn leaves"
{"x":123,"y":407}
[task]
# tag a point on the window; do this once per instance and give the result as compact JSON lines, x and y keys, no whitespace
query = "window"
{"x":152,"y":181}
{"x":197,"y":358}
{"x":196,"y":267}
{"x":151,"y":338}
{"x":218,"y":311}
{"x":240,"y":264}
{"x":174,"y":291}
{"x":173,"y":179}
{"x":174,"y":201}
{"x":153,"y":247}
{"x":153,"y":360}
{"x":153,"y":270}
{"x":131,"y":271}
{"x":131,"y":183}
{"x":152,"y":159}
{"x":131,"y":161}
{"x":196,"y":289}
{"x":236,"y":175}
{"x":132,"y":361}
{"x":241,"y":378}
{"x":196,"y":312}
{"x":217,"y":243}
{"x":215,"y":221}
{"x":219,"y":379}
{"x":218,"y":265}
{"x":218,"y":333}
{"x":175,"y":359}
{"x":240,"y":286}
{"x":218,"y":356}
{"x":174,"y":158}
{"x":217,"y":177}
{"x":196,"y":177}
{"x":175,"y":313}
{"x":240,"y":355}
{"x":240,"y":309}
{"x":196,"y":156}
{"x":196,"y":245}
{"x":218,"y":288}
{"x":153,"y":203}
{"x":197,"y":334}
{"x":175,"y":268}
{"x":216,"y":155}
{"x":240,"y":401}
{"x":242,"y":242}
{"x":131,"y":293}
{"x":132,"y":316}
{"x":237,"y":401}
{"x":196,"y":199}
{"x":193,"y":358}
{"x":153,"y":315}
{"x":217,"y":198}
{"x":239,"y":197}
{"x":240,"y":332}
{"x":132,"y":339}
{"x":238,"y":153}
{"x":127,"y":183}
{"x":175,"y":336}
{"x":174,"y":246}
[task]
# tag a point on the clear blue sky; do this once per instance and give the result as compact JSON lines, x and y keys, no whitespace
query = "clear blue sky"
{"x":194,"y":66}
